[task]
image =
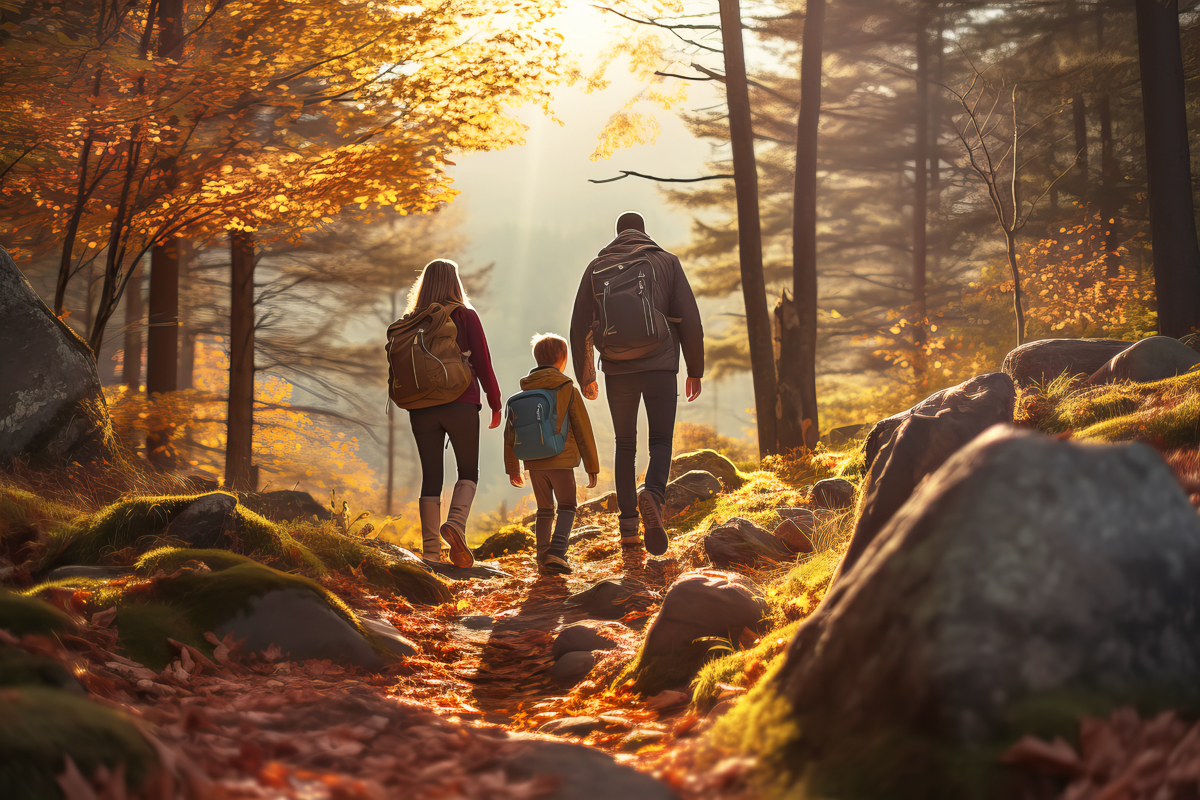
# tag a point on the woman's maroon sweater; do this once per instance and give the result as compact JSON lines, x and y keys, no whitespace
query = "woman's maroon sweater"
{"x":471,"y":339}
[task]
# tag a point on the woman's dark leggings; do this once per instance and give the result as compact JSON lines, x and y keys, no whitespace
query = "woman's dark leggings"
{"x":430,"y":427}
{"x":660,"y":391}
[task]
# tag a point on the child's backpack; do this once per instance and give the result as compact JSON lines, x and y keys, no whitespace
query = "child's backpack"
{"x":628,"y":326}
{"x":533,"y":414}
{"x":425,"y":366}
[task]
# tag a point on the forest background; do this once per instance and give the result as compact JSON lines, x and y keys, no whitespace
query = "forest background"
{"x":1064,"y":76}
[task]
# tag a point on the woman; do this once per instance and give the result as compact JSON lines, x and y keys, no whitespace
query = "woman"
{"x":458,"y":419}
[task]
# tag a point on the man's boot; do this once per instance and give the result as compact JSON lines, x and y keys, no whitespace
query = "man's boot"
{"x":556,"y":557}
{"x":542,"y":525}
{"x":455,"y":529}
{"x":431,"y":519}
{"x":650,"y":507}
{"x":630,"y":538}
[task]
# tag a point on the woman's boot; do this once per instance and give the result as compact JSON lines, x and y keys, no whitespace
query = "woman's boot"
{"x":455,"y":529}
{"x":431,"y":520}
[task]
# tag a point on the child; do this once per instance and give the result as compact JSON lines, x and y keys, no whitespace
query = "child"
{"x":553,"y":478}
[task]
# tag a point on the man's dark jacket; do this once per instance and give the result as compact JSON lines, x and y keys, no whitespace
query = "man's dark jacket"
{"x":672,"y":297}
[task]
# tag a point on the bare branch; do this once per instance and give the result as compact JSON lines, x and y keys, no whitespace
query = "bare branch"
{"x":625,"y":173}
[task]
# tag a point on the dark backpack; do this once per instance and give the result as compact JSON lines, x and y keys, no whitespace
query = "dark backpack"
{"x":627,"y":325}
{"x":533,"y":414}
{"x":425,"y":365}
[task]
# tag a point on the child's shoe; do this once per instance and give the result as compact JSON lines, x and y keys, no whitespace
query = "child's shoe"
{"x":555,"y":565}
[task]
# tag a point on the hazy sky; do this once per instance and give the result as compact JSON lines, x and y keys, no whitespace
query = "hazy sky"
{"x":532,"y":212}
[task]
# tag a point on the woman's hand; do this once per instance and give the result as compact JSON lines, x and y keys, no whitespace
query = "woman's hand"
{"x":517,"y":480}
{"x":592,"y":478}
{"x":495,"y":419}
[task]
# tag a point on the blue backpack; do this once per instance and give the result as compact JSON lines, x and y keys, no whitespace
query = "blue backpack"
{"x":534,"y":415}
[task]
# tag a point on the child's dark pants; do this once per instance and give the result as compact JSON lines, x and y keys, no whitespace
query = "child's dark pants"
{"x":550,"y":485}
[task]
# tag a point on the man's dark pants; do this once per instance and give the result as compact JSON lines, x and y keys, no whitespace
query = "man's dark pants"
{"x":659,"y":390}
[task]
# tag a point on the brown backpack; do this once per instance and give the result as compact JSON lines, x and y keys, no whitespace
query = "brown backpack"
{"x":425,"y":366}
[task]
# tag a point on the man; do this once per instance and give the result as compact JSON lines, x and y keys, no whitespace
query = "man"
{"x":636,"y":307}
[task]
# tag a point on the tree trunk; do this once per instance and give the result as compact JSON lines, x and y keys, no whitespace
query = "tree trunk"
{"x":131,"y":364}
{"x":1079,"y":117}
{"x":920,"y":204}
{"x":745,"y":170}
{"x":240,"y":421}
{"x":1168,"y":164}
{"x":68,"y":247}
{"x":1010,"y":239}
{"x":796,"y":317}
{"x":1109,"y":203}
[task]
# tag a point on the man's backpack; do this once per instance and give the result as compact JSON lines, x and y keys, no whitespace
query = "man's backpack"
{"x":627,"y":326}
{"x":425,"y":365}
{"x":533,"y":414}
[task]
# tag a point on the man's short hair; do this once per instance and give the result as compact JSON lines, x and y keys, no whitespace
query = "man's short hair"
{"x":631,"y":220}
{"x":549,"y":349}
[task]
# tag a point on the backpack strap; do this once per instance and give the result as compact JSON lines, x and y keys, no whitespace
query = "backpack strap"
{"x":567,"y":415}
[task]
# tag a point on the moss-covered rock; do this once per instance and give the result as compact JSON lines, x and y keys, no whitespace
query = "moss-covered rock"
{"x":341,"y":552}
{"x":506,"y":541}
{"x":21,"y":668}
{"x":40,"y":727}
{"x":142,"y":523}
{"x":20,"y":615}
{"x":709,"y":461}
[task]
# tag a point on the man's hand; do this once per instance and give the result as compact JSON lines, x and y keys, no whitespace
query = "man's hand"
{"x":592,"y":478}
{"x":496,"y":418}
{"x":517,"y":480}
{"x":591,"y":391}
{"x":692,"y":389}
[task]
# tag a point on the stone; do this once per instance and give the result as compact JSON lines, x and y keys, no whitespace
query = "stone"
{"x":583,"y":773}
{"x":21,"y":668}
{"x":611,"y":599}
{"x":387,"y":635}
{"x":583,"y":533}
{"x":504,"y":542}
{"x":604,"y":504}
{"x":580,"y":638}
{"x":52,"y":408}
{"x":1042,"y":361}
{"x":1027,"y":573}
{"x":806,"y":518}
{"x":833,"y":493}
{"x":688,"y":489}
{"x":739,"y":543}
{"x":573,"y":726}
{"x":207,"y":523}
{"x":990,"y":393}
{"x":701,"y":608}
{"x":793,"y":536}
{"x":21,"y":615}
{"x":709,"y":461}
{"x":572,"y":667}
{"x":477,"y":622}
{"x":286,"y":505}
{"x":303,"y":626}
{"x":640,"y":737}
{"x":837,"y":437}
{"x":921,"y":443}
{"x":1149,"y":360}
{"x":478,"y":572}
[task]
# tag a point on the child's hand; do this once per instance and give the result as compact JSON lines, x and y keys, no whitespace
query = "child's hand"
{"x":592,"y":478}
{"x":517,"y":480}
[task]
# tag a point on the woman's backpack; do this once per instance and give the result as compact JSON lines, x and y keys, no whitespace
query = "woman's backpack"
{"x":425,"y":365}
{"x":627,"y":326}
{"x":533,"y":414}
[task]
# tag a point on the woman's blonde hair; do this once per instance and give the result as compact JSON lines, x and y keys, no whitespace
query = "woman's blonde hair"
{"x":437,"y":283}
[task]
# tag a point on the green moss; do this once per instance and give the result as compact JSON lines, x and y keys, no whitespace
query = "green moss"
{"x":343,"y":553}
{"x":736,"y":668}
{"x":143,"y":630}
{"x":100,"y":594}
{"x":510,"y":539}
{"x":141,"y":522}
{"x":21,"y":615}
{"x":170,"y":559}
{"x":40,"y":726}
{"x":854,"y":467}
{"x":21,"y":668}
{"x":21,"y":507}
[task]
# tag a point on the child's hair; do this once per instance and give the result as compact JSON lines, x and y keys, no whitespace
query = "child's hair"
{"x":548,"y":349}
{"x":437,"y":283}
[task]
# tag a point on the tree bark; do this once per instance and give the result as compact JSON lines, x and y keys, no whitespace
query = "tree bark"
{"x":1109,"y":203}
{"x":240,"y":420}
{"x":796,"y":316}
{"x":131,"y":364}
{"x":745,"y":170}
{"x":1168,"y":165}
{"x":920,"y":203}
{"x":1079,"y":117}
{"x":1010,"y":240}
{"x":68,"y":247}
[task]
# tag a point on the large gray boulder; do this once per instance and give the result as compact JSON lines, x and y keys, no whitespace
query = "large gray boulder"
{"x":1042,"y":361}
{"x":209,"y":522}
{"x":740,"y":544}
{"x":833,"y":494}
{"x":993,"y":389}
{"x":1029,"y":578}
{"x":1151,"y":359}
{"x":931,"y":433}
{"x":303,"y":626}
{"x":52,"y":408}
{"x":709,"y":461}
